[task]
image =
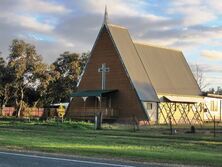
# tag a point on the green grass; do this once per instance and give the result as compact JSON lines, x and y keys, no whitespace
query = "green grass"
{"x":151,"y":143}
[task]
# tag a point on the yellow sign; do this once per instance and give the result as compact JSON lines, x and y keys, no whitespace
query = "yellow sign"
{"x":61,"y":111}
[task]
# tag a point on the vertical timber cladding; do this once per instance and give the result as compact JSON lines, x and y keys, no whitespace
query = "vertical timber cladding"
{"x":125,"y":100}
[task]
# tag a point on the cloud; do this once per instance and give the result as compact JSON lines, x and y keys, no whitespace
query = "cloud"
{"x":74,"y":25}
{"x":36,"y":15}
{"x":34,"y":21}
{"x":213,"y":82}
{"x":31,"y":23}
{"x":55,"y":26}
{"x":212,"y":54}
{"x":43,"y":6}
{"x":120,"y":8}
{"x":33,"y":6}
{"x":212,"y":74}
{"x":216,"y":7}
{"x":206,"y":68}
{"x":193,"y":12}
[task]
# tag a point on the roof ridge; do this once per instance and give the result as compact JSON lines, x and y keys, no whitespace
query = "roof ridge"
{"x":157,"y":46}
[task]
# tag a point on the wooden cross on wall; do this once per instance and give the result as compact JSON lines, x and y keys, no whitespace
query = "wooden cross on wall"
{"x":103,"y":69}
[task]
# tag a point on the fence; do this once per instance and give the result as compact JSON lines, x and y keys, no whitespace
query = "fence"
{"x":29,"y":112}
{"x":33,"y":112}
{"x":8,"y":111}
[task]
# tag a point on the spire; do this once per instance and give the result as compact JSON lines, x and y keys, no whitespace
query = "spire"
{"x":105,"y":21}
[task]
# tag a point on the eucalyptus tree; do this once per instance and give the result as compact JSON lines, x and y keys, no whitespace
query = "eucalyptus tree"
{"x":27,"y":70}
{"x":65,"y":71}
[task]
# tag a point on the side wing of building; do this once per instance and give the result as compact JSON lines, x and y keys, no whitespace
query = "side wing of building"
{"x":168,"y":71}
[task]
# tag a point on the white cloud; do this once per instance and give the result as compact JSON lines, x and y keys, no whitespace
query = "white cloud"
{"x":32,"y":23}
{"x":207,"y":68}
{"x":31,"y":14}
{"x":216,"y":6}
{"x":212,"y":74}
{"x":66,"y":43}
{"x":28,"y":22}
{"x":43,"y":6}
{"x":212,"y":54}
{"x":34,"y":6}
{"x":194,"y":12}
{"x":120,"y":8}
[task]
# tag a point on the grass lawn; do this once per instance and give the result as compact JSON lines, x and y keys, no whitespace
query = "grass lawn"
{"x":151,"y":143}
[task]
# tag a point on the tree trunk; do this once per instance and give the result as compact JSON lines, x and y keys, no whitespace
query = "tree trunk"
{"x":19,"y":109}
{"x":36,"y":102}
{"x":20,"y":104}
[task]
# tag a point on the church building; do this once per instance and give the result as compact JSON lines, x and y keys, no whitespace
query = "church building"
{"x":125,"y":80}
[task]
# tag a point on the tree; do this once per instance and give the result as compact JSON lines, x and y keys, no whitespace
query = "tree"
{"x":2,"y":82}
{"x":199,"y":76}
{"x":83,"y":61}
{"x":5,"y":82}
{"x":65,"y":72}
{"x":27,"y":69}
{"x":211,"y":91}
{"x":219,"y":90}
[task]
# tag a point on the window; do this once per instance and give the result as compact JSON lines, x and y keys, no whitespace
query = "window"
{"x":149,"y":106}
{"x":213,"y":105}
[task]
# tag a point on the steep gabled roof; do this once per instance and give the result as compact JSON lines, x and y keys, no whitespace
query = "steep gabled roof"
{"x":152,"y":70}
{"x":168,"y":70}
{"x":132,"y":62}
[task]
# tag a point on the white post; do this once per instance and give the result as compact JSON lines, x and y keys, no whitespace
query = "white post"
{"x":84,"y":99}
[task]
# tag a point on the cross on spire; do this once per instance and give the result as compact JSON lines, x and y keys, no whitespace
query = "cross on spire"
{"x":105,"y":21}
{"x":103,"y":69}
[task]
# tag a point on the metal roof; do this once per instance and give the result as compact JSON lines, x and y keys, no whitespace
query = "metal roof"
{"x":168,"y":70}
{"x":183,"y":99}
{"x":132,"y":62}
{"x":213,"y":95}
{"x":88,"y":93}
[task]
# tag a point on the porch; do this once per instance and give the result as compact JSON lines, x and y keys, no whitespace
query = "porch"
{"x":90,"y":103}
{"x":89,"y":113}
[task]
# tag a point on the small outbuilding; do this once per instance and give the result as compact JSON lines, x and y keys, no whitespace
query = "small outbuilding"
{"x":213,"y":107}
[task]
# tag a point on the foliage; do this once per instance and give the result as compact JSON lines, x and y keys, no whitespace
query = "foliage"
{"x":27,"y":70}
{"x":66,"y":71}
{"x":5,"y":82}
{"x":25,"y":81}
{"x":83,"y":60}
{"x":2,"y":75}
{"x":218,"y":91}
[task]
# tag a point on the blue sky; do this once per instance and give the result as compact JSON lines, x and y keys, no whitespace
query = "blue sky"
{"x":55,"y":26}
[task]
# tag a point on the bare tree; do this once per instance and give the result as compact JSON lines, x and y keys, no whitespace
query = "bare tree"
{"x":199,"y":75}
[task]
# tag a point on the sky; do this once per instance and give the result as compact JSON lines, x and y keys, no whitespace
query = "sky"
{"x":55,"y":26}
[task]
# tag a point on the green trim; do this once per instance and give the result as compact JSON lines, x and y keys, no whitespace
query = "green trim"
{"x":88,"y":93}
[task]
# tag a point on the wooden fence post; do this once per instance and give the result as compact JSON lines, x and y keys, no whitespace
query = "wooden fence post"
{"x":214,"y":127}
{"x":98,"y":120}
{"x":171,"y":128}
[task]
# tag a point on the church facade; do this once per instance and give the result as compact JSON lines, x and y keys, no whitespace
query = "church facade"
{"x":125,"y":80}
